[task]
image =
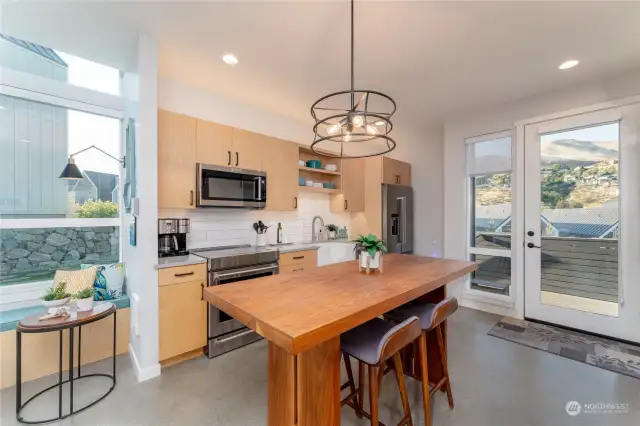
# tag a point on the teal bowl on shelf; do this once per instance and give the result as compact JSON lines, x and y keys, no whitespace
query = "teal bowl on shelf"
{"x":301,"y":182}
{"x":329,"y":185}
{"x":314,"y":164}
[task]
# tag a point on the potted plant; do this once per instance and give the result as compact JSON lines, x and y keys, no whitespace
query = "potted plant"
{"x":332,"y":231}
{"x":56,"y":296}
{"x":371,"y":249}
{"x":84,"y":299}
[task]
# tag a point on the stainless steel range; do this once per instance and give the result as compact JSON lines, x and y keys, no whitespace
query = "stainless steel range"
{"x":227,"y":265}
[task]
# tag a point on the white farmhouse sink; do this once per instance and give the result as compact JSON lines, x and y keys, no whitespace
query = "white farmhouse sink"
{"x":334,"y":252}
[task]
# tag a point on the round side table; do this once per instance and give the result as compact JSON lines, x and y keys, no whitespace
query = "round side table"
{"x":33,"y":324}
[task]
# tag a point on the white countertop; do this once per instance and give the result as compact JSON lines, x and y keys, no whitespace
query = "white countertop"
{"x":171,"y":262}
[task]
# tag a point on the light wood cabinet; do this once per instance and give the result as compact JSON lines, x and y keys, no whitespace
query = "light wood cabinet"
{"x":352,"y":198}
{"x":214,"y":144}
{"x":281,"y":165}
{"x":176,"y":160}
{"x":182,"y":314}
{"x":298,"y":261}
{"x":248,"y":147}
{"x":396,"y":172}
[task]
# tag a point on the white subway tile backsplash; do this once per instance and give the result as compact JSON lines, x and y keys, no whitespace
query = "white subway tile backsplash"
{"x":225,"y":227}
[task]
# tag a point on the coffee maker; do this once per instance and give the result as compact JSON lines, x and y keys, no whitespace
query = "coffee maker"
{"x":172,"y":237}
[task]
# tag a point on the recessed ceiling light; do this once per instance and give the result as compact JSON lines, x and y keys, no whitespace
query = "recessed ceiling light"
{"x":230,"y":59}
{"x":568,"y":64}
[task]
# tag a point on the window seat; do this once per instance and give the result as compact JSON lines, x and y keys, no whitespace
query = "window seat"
{"x":9,"y":319}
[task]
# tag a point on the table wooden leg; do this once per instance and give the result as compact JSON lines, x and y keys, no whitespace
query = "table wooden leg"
{"x":304,"y":390}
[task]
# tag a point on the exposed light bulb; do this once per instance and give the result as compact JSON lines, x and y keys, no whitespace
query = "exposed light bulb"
{"x":230,"y":59}
{"x":347,"y":137}
{"x":379,"y":123}
{"x":372,"y":130}
{"x":332,"y":130}
{"x":357,"y":120}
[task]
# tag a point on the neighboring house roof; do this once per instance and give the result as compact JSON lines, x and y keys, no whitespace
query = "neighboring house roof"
{"x":45,"y":52}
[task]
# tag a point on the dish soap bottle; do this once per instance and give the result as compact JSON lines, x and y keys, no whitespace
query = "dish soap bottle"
{"x":279,"y":233}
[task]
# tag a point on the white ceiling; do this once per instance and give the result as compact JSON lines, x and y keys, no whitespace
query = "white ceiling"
{"x":435,"y":59}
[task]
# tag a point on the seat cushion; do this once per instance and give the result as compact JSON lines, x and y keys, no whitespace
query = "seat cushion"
{"x":424,"y":311}
{"x":367,"y":341}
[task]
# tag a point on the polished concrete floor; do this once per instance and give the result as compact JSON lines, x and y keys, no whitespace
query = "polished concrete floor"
{"x":495,"y":383}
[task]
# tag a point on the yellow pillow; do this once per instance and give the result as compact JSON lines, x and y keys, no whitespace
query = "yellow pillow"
{"x":76,"y":280}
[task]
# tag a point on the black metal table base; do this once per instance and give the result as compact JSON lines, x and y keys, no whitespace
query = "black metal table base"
{"x":20,"y":406}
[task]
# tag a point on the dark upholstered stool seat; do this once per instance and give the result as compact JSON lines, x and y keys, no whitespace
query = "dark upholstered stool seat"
{"x":366,"y":341}
{"x":424,"y":312}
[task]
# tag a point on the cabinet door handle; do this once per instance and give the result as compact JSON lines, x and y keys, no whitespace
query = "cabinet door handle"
{"x":184,"y":274}
{"x":202,"y":294}
{"x":295,"y":202}
{"x":237,"y":158}
{"x":229,"y":163}
{"x":191,"y":197}
{"x":296,"y":270}
{"x":345,"y":204}
{"x":298,"y":257}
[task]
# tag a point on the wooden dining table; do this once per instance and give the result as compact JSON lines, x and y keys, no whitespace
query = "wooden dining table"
{"x":302,"y":315}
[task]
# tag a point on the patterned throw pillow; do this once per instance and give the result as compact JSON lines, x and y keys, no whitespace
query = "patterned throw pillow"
{"x":76,"y":280}
{"x":109,"y":281}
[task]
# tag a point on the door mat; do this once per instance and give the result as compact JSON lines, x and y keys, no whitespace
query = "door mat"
{"x":600,"y":352}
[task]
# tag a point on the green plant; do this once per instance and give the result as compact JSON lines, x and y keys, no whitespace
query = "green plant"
{"x":371,"y":244}
{"x":84,"y":293}
{"x":97,"y":209}
{"x":332,"y":228}
{"x":58,"y":292}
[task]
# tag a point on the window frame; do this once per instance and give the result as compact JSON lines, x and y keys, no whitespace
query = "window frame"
{"x":506,"y":300}
{"x":62,"y":94}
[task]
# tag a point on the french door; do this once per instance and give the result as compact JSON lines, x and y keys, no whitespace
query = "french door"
{"x":582,"y":206}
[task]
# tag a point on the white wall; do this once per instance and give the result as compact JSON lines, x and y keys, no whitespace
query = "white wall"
{"x":496,"y":119}
{"x":141,"y":92}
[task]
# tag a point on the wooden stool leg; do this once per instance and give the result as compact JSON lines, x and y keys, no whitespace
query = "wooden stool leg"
{"x":424,"y":376}
{"x":373,"y":394}
{"x":397,"y":363}
{"x":443,"y":357}
{"x":360,"y":389}
{"x":352,"y":383}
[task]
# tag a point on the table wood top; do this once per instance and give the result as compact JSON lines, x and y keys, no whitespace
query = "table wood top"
{"x":33,"y":323}
{"x":300,"y":310}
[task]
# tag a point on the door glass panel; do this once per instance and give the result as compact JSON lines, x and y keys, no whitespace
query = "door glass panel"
{"x":493,"y":274}
{"x":580,"y":218}
{"x":491,"y":211}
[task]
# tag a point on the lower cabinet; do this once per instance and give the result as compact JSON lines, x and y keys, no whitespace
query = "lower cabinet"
{"x":182,"y":316}
{"x":298,"y":261}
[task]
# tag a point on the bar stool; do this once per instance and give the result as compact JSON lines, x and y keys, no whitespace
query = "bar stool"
{"x":373,"y":343}
{"x":432,"y":317}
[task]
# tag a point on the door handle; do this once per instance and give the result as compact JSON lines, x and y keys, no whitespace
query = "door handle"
{"x":229,"y":163}
{"x":531,"y":233}
{"x":345,"y":204}
{"x":191,"y":197}
{"x":202,"y":293}
{"x":237,"y":158}
{"x":531,"y":245}
{"x":295,"y":202}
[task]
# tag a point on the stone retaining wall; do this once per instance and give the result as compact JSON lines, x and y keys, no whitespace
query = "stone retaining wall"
{"x":32,"y":254}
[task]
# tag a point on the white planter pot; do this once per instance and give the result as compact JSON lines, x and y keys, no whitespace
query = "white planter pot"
{"x":84,"y":304}
{"x":332,"y":235}
{"x":261,"y":240}
{"x":55,"y":303}
{"x":374,"y":262}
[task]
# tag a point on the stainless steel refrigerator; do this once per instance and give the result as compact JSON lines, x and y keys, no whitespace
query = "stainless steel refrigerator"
{"x":397,"y":218}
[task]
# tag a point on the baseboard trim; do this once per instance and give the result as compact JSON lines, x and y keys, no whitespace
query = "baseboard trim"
{"x":143,"y":374}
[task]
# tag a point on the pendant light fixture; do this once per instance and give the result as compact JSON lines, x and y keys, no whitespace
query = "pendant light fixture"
{"x":353,"y":123}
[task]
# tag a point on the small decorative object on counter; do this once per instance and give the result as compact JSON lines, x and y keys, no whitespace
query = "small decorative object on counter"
{"x":261,"y":233}
{"x":56,"y":296}
{"x":332,"y":231}
{"x":342,"y":233}
{"x":279,"y":234}
{"x":371,"y":249}
{"x":84,"y":299}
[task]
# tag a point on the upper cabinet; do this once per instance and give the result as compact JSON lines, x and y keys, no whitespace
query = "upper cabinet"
{"x":352,"y":198}
{"x":281,"y":166}
{"x":396,"y":172}
{"x":248,"y":147}
{"x":176,"y":160}
{"x":214,"y":144}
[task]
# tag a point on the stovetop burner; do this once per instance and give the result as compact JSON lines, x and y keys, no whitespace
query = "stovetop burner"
{"x":228,"y":257}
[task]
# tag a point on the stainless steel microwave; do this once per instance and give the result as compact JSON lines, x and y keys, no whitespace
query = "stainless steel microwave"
{"x":230,"y":187}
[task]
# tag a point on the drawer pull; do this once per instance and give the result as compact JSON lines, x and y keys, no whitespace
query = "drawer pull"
{"x":298,"y":257}
{"x":185,"y":274}
{"x":296,"y":270}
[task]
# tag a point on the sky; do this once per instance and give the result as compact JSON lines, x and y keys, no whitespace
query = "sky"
{"x":86,"y":129}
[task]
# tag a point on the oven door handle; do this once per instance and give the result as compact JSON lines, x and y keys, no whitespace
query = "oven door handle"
{"x":235,"y":336}
{"x":216,"y":276}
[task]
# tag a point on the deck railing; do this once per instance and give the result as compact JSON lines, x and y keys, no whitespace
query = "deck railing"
{"x":584,"y":267}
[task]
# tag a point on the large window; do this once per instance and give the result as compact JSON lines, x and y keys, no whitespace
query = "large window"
{"x":489,"y":174}
{"x":48,"y":223}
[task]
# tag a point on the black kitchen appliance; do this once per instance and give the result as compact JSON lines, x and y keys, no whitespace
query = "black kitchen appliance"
{"x":172,"y":237}
{"x":230,"y":187}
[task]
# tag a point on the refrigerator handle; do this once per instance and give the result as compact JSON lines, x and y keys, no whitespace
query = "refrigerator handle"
{"x":402,"y":209}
